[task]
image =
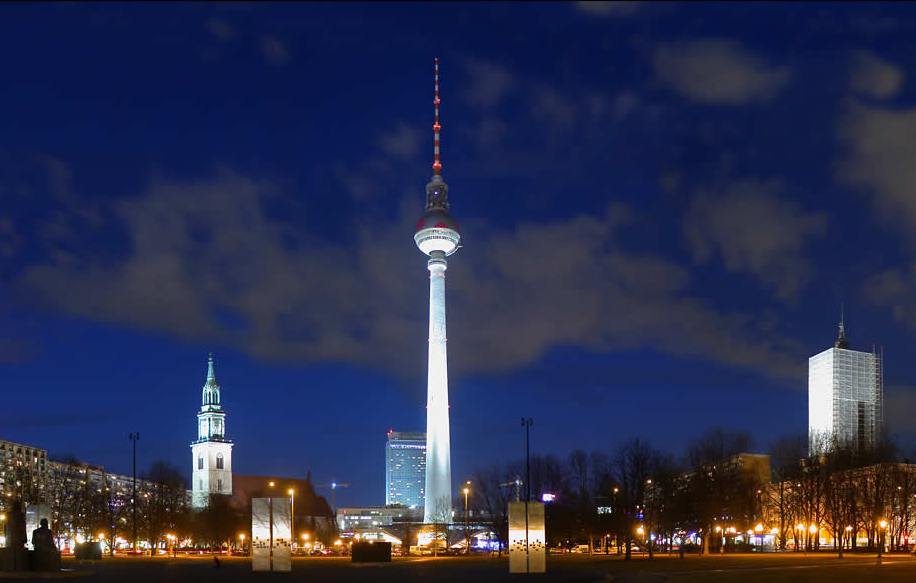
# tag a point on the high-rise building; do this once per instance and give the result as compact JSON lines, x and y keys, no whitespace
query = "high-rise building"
{"x":437,"y":236}
{"x":405,"y":469}
{"x":212,"y":452}
{"x":845,"y":398}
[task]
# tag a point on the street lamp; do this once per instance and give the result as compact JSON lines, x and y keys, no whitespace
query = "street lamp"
{"x":467,"y":540}
{"x":883,"y":525}
{"x":134,"y":437}
{"x":292,"y":511}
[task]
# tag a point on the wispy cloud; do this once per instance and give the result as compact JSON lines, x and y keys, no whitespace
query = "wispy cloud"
{"x":274,"y":50}
{"x":874,"y":77}
{"x":613,"y":8}
{"x":880,"y":147}
{"x":718,"y":71}
{"x":220,"y":29}
{"x":756,"y":232}
{"x":488,"y":82}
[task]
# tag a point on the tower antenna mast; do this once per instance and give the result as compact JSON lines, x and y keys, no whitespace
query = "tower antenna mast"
{"x":437,"y":127}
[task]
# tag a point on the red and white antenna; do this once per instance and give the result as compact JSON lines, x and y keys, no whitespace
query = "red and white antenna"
{"x":437,"y":163}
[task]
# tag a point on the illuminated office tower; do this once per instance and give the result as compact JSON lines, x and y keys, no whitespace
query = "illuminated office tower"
{"x":845,"y":398}
{"x":405,"y":469}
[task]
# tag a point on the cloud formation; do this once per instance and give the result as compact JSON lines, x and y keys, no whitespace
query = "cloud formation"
{"x":718,"y":71}
{"x":488,"y":83}
{"x":205,"y":261}
{"x":874,"y":77}
{"x":894,"y":289}
{"x":880,"y":146}
{"x":755,"y":232}
{"x":615,"y":8}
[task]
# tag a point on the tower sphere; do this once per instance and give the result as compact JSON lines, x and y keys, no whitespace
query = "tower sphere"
{"x":437,"y":231}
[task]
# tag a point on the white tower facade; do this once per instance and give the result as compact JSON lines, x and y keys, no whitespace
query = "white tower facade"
{"x":437,"y":236}
{"x":211,"y":453}
{"x":845,"y":398}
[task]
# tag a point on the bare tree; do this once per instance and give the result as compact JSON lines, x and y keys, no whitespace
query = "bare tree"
{"x":163,"y":501}
{"x":633,"y":465}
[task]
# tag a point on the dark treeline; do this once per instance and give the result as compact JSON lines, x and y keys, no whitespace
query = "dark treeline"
{"x":637,"y":496}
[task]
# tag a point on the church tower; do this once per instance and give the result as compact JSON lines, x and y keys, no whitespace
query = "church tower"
{"x":211,"y":453}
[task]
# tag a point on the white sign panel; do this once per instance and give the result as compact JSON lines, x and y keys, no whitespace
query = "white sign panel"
{"x":260,"y":534}
{"x":527,"y":538}
{"x":270,"y":534}
{"x":281,"y":534}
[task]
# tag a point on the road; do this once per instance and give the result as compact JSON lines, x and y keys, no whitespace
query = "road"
{"x":572,"y":568}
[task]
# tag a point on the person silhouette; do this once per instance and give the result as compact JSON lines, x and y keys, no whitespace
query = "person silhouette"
{"x":43,"y":538}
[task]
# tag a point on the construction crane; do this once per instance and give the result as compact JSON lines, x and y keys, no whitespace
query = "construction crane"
{"x":517,"y":482}
{"x":334,"y":485}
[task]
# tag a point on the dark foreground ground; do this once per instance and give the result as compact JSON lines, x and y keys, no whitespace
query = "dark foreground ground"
{"x":744,"y":568}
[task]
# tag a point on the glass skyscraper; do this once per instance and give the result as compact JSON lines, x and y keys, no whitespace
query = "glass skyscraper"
{"x":845,"y":398}
{"x":405,"y":469}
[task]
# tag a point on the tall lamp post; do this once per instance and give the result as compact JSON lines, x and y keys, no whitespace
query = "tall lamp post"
{"x":882,"y":524}
{"x":134,"y":437}
{"x":467,"y":539}
{"x":292,"y":515}
{"x":526,"y":423}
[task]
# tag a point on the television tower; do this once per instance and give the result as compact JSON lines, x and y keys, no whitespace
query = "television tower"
{"x":437,"y":236}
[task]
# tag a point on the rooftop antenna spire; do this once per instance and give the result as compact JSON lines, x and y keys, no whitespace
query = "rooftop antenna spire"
{"x":437,"y":163}
{"x":841,"y":341}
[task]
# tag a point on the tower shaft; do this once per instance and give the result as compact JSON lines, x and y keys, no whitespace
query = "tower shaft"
{"x":438,"y":500}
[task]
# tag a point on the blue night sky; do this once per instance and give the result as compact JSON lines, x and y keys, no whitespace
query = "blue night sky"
{"x":663,"y":207}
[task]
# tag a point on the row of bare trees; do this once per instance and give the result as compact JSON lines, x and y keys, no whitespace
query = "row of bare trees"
{"x":849,"y":496}
{"x":640,"y":496}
